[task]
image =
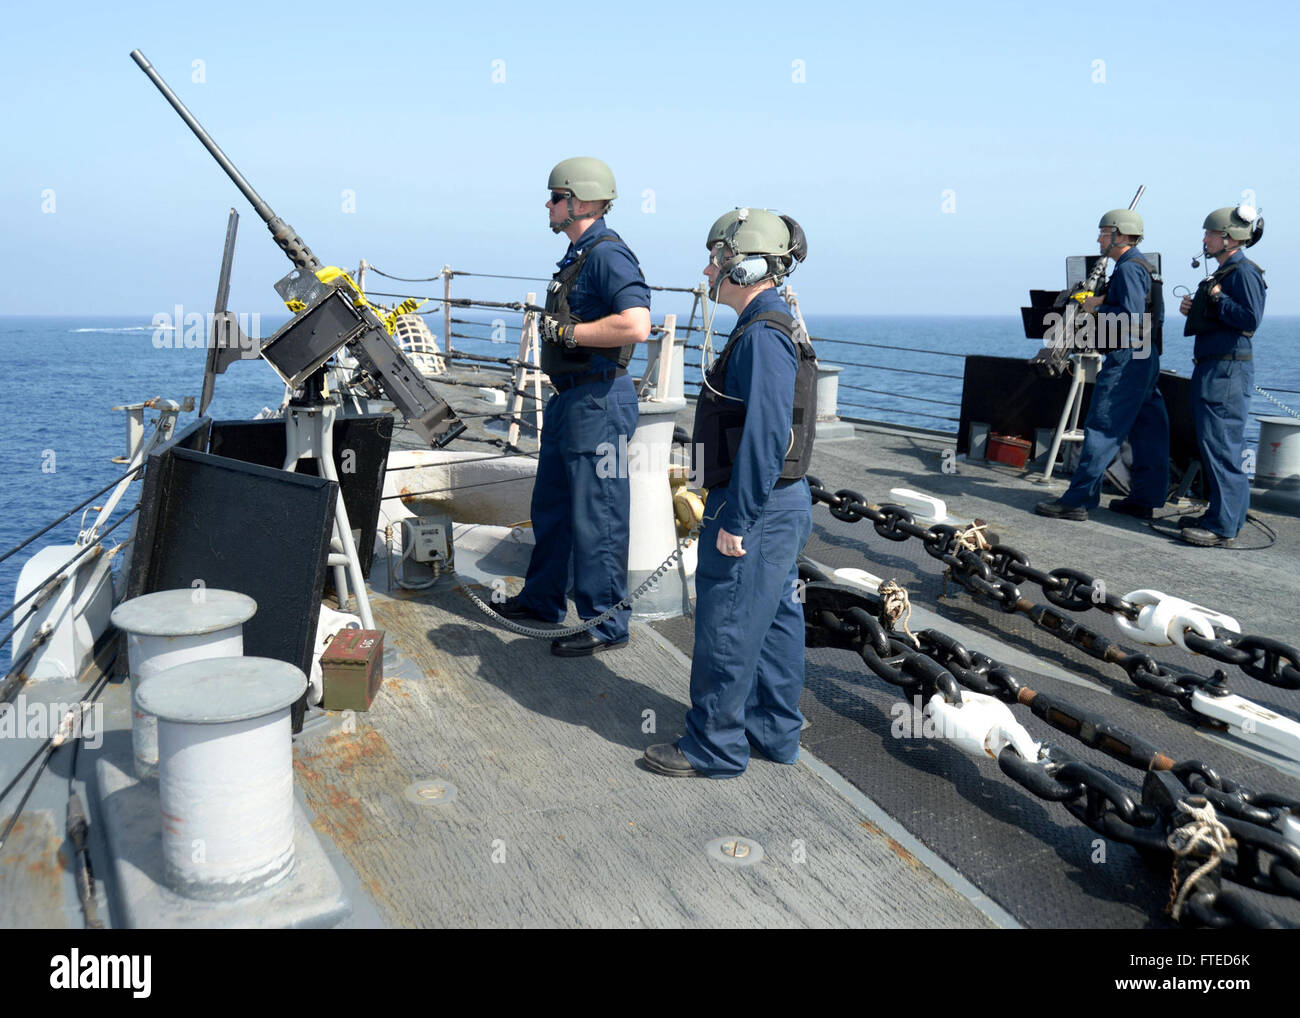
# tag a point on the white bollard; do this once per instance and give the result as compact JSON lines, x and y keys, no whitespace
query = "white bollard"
{"x":829,"y":425}
{"x":653,"y":533}
{"x":225,"y":773}
{"x":170,"y":628}
{"x":1277,"y":468}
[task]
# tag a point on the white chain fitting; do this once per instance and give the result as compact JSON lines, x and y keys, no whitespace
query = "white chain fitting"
{"x":982,"y":726}
{"x":1164,"y":620}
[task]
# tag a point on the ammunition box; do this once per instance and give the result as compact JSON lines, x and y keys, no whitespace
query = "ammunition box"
{"x":353,"y":669}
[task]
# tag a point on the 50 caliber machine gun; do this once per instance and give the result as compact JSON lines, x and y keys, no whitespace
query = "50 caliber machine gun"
{"x":1054,"y":316}
{"x":330,"y":312}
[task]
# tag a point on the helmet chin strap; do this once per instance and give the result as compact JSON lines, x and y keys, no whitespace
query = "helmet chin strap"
{"x":573,"y":217}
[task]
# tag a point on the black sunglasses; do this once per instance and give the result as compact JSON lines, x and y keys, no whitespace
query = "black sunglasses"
{"x":558,"y":196}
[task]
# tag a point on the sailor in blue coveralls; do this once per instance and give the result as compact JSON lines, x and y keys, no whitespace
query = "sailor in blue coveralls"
{"x":1126,"y":401}
{"x":755,"y":438}
{"x":597,"y":309}
{"x":1223,"y":315}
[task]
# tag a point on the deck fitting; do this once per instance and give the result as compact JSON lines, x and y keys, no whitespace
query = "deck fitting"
{"x":431,"y":793}
{"x":735,"y":851}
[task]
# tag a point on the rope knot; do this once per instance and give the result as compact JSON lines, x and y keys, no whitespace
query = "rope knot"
{"x":1203,"y":828}
{"x":897,"y":605}
{"x":971,"y":537}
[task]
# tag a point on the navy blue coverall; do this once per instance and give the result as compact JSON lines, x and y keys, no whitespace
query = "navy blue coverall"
{"x":1221,"y":387}
{"x":576,"y":512}
{"x":748,"y":666}
{"x":1126,"y":403}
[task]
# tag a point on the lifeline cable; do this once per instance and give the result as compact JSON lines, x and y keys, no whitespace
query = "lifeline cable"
{"x":49,"y":748}
{"x":899,"y":395}
{"x":82,"y":505}
{"x":63,"y":568}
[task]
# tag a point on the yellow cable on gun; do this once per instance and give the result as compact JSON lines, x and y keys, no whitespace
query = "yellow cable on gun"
{"x":332,"y":274}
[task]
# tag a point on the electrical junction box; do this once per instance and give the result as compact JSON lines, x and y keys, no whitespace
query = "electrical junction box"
{"x":426,"y":546}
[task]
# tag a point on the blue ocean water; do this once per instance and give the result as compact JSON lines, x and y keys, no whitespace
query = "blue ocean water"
{"x":63,"y":375}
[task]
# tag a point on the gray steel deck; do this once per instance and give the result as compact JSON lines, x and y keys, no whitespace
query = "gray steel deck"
{"x":554,"y":823}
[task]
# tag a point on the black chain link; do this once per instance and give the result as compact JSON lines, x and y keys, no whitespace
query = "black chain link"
{"x":852,"y":619}
{"x":1263,"y":658}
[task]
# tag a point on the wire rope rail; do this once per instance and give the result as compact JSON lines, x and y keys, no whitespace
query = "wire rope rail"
{"x":81,"y":505}
{"x":43,"y":590}
{"x":897,"y":410}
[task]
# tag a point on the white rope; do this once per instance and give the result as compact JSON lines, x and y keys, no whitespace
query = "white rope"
{"x":971,"y":537}
{"x":897,"y":605}
{"x":1206,"y":829}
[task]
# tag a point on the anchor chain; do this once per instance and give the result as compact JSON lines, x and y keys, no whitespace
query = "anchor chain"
{"x":937,"y":664}
{"x":998,"y":572}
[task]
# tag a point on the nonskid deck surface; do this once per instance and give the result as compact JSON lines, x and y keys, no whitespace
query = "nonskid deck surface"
{"x":555,"y":823}
{"x":1033,"y":858}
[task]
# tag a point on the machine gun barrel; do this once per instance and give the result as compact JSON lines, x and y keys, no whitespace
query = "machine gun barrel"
{"x":285,"y":236}
{"x":327,"y":315}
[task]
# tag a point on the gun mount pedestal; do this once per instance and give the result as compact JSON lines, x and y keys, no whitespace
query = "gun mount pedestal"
{"x":309,"y":434}
{"x":1083,"y":368}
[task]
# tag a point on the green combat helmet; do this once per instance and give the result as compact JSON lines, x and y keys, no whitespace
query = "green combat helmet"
{"x":751,"y":231}
{"x":1238,"y":223}
{"x":749,"y":245}
{"x":586,"y":179}
{"x":589,"y":179}
{"x":718,"y":231}
{"x":1124,"y":221}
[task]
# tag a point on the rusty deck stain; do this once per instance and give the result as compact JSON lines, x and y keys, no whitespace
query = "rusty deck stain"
{"x":346,"y":777}
{"x":894,"y":846}
{"x":32,"y":865}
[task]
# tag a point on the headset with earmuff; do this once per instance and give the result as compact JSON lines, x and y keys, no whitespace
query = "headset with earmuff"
{"x":751,"y":269}
{"x":1251,"y":216}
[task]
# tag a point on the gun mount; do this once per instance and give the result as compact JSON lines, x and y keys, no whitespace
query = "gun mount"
{"x":300,"y":349}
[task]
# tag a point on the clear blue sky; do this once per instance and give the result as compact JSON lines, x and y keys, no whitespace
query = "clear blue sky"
{"x":1036,"y":117}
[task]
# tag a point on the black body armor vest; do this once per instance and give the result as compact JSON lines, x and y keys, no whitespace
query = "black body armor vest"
{"x":1155,"y":307}
{"x":1200,"y":319}
{"x":719,"y":421}
{"x":558,"y":360}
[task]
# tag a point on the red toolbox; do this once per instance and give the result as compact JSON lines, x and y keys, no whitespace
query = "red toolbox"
{"x":1007,"y":449}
